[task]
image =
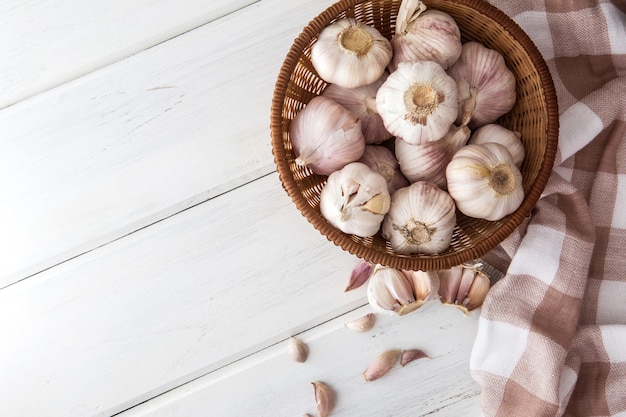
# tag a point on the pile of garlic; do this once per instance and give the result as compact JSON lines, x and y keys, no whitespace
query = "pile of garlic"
{"x":406,"y":132}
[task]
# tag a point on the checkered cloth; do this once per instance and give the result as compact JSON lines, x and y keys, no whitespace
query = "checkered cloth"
{"x":552,"y":331}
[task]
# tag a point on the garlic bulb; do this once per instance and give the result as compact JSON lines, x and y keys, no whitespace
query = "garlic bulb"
{"x":326,"y":136}
{"x":390,"y":292}
{"x":355,"y":200}
{"x":418,"y":102}
{"x":486,"y":87}
{"x":361,"y":101}
{"x":350,"y":53}
{"x":425,"y":35}
{"x":499,"y":134}
{"x":484,"y":181}
{"x":380,"y":159}
{"x":428,"y":161}
{"x":421,"y":219}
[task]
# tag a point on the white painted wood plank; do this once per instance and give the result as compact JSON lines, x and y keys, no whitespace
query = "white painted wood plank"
{"x":45,"y":43}
{"x":270,"y":384}
{"x":142,"y":139}
{"x":166,"y":304}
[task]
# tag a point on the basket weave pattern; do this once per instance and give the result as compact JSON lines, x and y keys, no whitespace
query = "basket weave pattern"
{"x":535,"y":116}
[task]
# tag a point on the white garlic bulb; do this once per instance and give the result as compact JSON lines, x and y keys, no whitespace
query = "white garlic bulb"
{"x":389,"y":291}
{"x":418,"y":102}
{"x":355,"y":200}
{"x":428,"y":161}
{"x":421,"y":219}
{"x":350,"y":53}
{"x":380,"y":159}
{"x":484,"y":181}
{"x":425,"y":35}
{"x":486,"y":86}
{"x":326,"y":136}
{"x":499,"y":134}
{"x":361,"y":101}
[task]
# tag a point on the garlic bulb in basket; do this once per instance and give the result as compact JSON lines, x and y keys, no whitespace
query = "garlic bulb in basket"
{"x":326,"y":136}
{"x":380,"y":159}
{"x":499,"y":134}
{"x":362,"y":102}
{"x":486,"y":87}
{"x":350,"y":53}
{"x":424,"y":35}
{"x":418,"y":102}
{"x":428,"y":161}
{"x":484,"y":181}
{"x":355,"y":200}
{"x":421,"y":219}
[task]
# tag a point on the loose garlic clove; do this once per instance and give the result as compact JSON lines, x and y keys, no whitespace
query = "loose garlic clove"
{"x":486,"y":87}
{"x":355,"y":200}
{"x":359,"y":275}
{"x":499,"y":134}
{"x":389,"y":291}
{"x":418,"y":102}
{"x":425,"y":35}
{"x":421,"y":219}
{"x":326,"y":136}
{"x":428,"y":161}
{"x":324,"y":398}
{"x":297,"y":350}
{"x":362,"y":324}
{"x":382,"y":365}
{"x":411,"y":355}
{"x":380,"y":159}
{"x":361,"y":101}
{"x":484,"y":181}
{"x":350,"y":53}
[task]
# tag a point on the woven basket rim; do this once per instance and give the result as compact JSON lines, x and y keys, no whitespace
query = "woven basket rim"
{"x":417,"y":261}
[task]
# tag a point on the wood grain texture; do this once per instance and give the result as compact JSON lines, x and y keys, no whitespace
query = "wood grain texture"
{"x":46,"y":43}
{"x":142,"y":139}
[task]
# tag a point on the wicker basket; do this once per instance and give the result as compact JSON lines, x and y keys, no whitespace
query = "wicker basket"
{"x":535,"y":116}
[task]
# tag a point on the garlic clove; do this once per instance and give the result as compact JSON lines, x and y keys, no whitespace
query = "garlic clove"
{"x":382,"y":365}
{"x":326,"y":136}
{"x":418,"y":102}
{"x":411,"y":355}
{"x":421,"y":219}
{"x":425,"y":284}
{"x":428,"y":161}
{"x":477,"y":292}
{"x":425,"y":35}
{"x":324,"y":398}
{"x":350,"y":53}
{"x":359,"y":275}
{"x":389,"y":291}
{"x":499,"y":134}
{"x":464,"y":287}
{"x":362,"y":324}
{"x":297,"y":349}
{"x":355,"y":200}
{"x":361,"y":101}
{"x":486,"y":86}
{"x":484,"y":181}
{"x":380,"y":159}
{"x":449,"y":281}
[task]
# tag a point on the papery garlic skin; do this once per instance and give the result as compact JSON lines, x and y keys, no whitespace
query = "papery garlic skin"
{"x":418,"y":102}
{"x":428,"y":161}
{"x":361,"y":101}
{"x":486,"y":86}
{"x":389,"y":291}
{"x":355,"y":200}
{"x":350,"y":53}
{"x":484,"y":181}
{"x":326,"y":136}
{"x":499,"y":134}
{"x":421,"y":219}
{"x":380,"y":159}
{"x":430,"y":35}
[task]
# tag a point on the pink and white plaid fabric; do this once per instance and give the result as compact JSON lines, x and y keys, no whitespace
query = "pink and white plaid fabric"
{"x":552,"y":332}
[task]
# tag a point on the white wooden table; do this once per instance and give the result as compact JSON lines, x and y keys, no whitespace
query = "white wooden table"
{"x":151,"y":263}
